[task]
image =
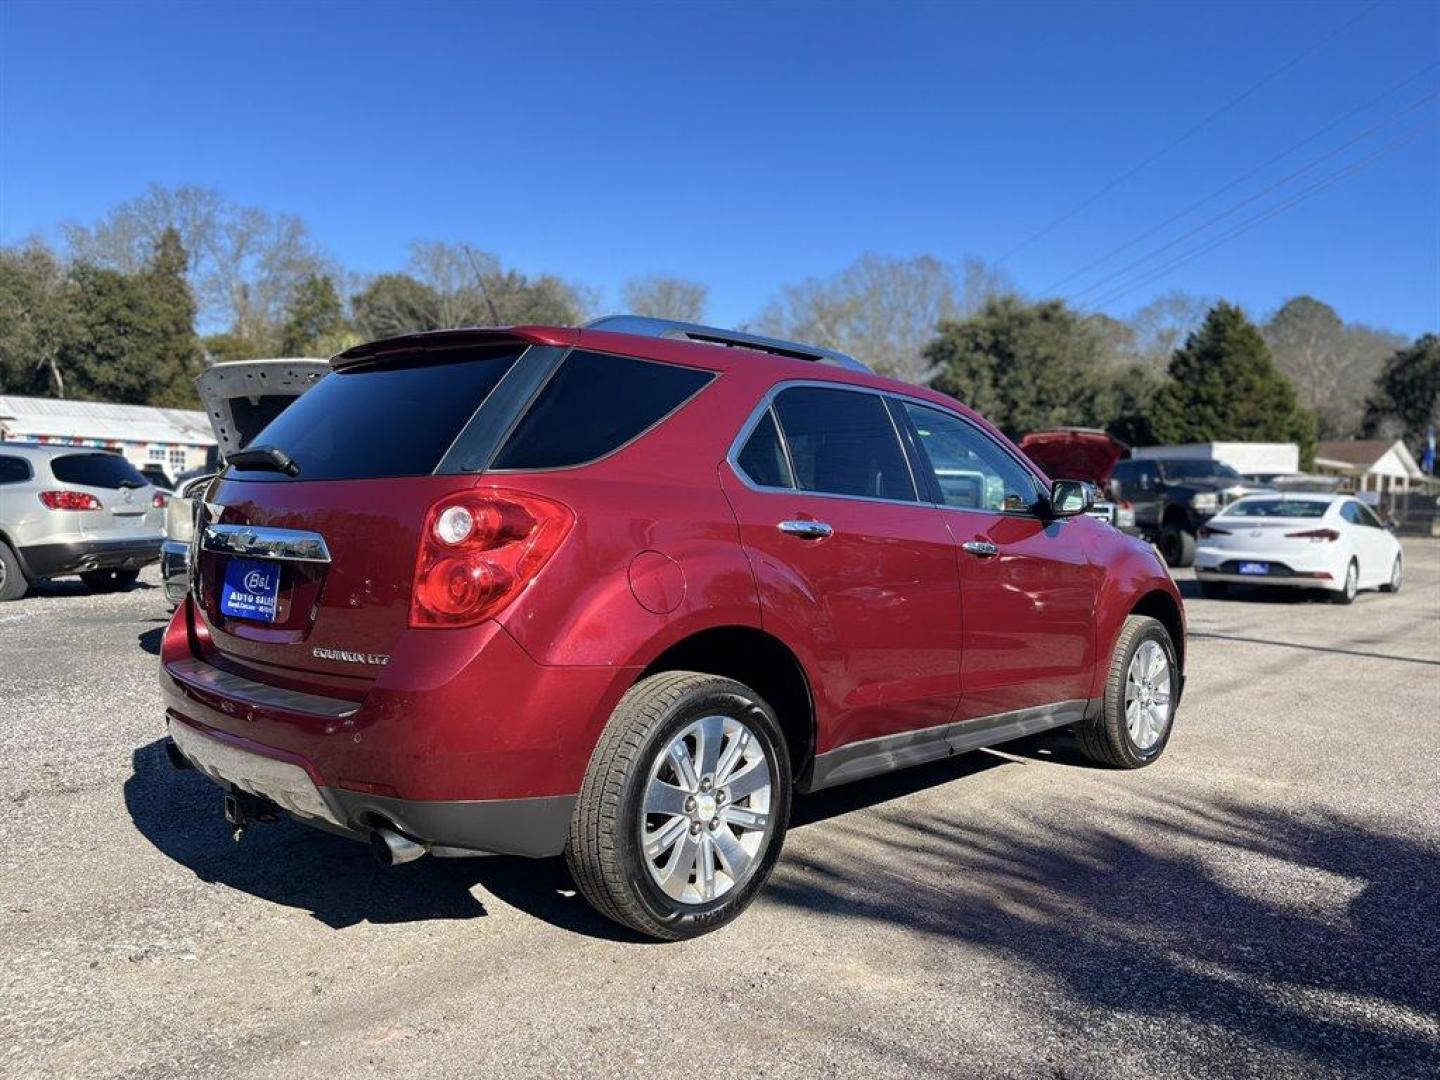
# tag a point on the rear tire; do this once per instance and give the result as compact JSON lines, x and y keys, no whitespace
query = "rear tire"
{"x":1177,"y":546}
{"x":1346,"y":595}
{"x":108,"y":581}
{"x":1125,"y":737}
{"x":636,"y":858}
{"x":13,"y":582}
{"x":1397,"y":577}
{"x":1214,"y":590}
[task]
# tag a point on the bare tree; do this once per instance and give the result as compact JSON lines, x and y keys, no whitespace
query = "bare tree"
{"x":244,"y":261}
{"x":1331,"y":365}
{"x":884,"y":311}
{"x":1161,"y":326}
{"x":665,"y":298}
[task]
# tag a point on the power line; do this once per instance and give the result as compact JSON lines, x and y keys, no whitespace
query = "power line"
{"x":1269,"y":188}
{"x":1259,"y":219}
{"x":1049,"y":289}
{"x":1113,"y":184}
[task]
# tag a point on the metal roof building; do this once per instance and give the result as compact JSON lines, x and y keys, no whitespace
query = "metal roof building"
{"x":178,"y":439}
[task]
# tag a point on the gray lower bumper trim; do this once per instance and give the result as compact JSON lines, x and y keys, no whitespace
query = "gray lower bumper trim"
{"x":861,"y":759}
{"x":536,"y":828}
{"x":203,"y":676}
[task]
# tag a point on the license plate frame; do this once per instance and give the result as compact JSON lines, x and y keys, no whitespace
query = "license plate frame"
{"x":1256,"y":569}
{"x":250,"y":589}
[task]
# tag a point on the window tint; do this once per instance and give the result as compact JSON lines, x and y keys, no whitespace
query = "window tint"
{"x":843,"y":443}
{"x":13,"y":470}
{"x":1124,"y":472}
{"x":97,"y":470}
{"x":1351,"y":513}
{"x":594,"y":404}
{"x":1368,"y":517}
{"x":763,"y":458}
{"x":973,"y":471}
{"x":395,"y":419}
{"x":1282,"y":508}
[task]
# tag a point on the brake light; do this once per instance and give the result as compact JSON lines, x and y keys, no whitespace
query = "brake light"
{"x":1210,"y":530}
{"x":69,"y":500}
{"x":478,"y":551}
{"x":158,"y":501}
{"x":1315,"y":536}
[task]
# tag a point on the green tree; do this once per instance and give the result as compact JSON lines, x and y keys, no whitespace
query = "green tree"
{"x":1405,"y":402}
{"x":169,"y":346}
{"x":1028,"y":366}
{"x":1225,"y":385}
{"x":314,"y":320}
{"x":105,"y":358}
{"x":37,"y":321}
{"x":393,"y":304}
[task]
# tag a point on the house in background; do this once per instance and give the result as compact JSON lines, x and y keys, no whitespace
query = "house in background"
{"x":1385,"y":475}
{"x":175,"y":439}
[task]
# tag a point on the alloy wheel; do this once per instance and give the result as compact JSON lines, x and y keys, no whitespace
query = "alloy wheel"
{"x":1147,"y":695}
{"x":706,"y":818}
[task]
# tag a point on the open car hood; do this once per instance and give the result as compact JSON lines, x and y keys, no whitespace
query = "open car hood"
{"x":243,"y":396}
{"x":1075,"y":453}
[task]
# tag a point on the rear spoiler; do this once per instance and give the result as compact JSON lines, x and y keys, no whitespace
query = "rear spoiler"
{"x":434,"y":341}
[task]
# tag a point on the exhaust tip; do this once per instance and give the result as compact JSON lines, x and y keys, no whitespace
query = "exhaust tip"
{"x":391,"y":849}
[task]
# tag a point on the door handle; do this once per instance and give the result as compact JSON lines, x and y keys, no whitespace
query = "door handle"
{"x":981,"y":548}
{"x":807,"y":530}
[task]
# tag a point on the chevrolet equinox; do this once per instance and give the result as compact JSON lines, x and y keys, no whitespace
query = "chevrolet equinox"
{"x":620,"y":592}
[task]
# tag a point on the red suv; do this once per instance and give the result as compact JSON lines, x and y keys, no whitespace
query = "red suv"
{"x":618,"y":592}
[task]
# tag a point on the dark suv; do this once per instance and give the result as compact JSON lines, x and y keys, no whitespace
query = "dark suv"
{"x":1173,"y":497}
{"x":618,"y":592}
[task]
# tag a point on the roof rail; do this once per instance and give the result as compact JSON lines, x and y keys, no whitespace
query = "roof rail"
{"x":643,"y":326}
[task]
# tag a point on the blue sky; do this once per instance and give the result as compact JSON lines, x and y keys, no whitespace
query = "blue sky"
{"x":749,"y":145}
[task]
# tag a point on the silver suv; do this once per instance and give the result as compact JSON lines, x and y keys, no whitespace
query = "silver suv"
{"x":66,"y":510}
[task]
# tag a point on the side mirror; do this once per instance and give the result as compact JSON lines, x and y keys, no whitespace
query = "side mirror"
{"x":1071,"y":497}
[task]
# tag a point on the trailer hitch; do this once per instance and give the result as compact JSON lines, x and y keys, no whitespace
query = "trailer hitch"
{"x":243,"y":809}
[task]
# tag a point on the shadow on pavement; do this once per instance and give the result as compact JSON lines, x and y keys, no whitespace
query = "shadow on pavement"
{"x":1326,"y":948}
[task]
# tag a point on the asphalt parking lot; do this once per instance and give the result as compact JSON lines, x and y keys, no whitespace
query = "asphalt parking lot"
{"x":1263,"y":902}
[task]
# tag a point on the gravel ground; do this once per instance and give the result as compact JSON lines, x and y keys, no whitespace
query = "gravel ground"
{"x":1263,"y":902}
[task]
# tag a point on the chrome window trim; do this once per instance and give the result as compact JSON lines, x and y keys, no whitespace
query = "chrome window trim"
{"x":732,"y":458}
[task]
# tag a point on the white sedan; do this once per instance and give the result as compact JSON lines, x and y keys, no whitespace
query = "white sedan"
{"x":1332,"y":542}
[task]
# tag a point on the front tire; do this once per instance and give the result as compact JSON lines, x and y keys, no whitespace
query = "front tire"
{"x":1177,"y":546}
{"x":1133,"y":725}
{"x":13,"y":582}
{"x":684,"y":806}
{"x":108,"y":581}
{"x":1397,"y":577}
{"x":1347,"y":592}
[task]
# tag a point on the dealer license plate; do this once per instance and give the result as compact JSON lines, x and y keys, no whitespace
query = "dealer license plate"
{"x":1254,"y":568}
{"x":250,"y":590}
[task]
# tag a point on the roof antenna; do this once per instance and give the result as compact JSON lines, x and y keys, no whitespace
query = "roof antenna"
{"x":480,"y":281}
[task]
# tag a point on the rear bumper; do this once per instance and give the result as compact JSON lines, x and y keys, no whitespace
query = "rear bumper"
{"x":79,"y":556}
{"x":462,"y":741}
{"x":530,"y":827}
{"x":1303,"y":581}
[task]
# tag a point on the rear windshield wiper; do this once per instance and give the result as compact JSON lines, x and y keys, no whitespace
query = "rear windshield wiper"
{"x":265,"y":459}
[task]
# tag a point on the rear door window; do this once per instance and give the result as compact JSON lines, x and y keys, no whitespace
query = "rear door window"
{"x":843,"y":442}
{"x":763,"y":458}
{"x":97,"y":470}
{"x":14,"y":470}
{"x":593,"y":405}
{"x":379,"y":420}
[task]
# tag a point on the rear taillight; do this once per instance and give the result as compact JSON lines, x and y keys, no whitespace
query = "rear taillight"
{"x":479,"y":550}
{"x":1315,"y":536}
{"x":159,"y":501}
{"x":69,"y":500}
{"x":1210,"y":530}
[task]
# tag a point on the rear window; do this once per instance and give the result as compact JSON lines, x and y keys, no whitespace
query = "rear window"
{"x":594,"y":404}
{"x":383,"y":419}
{"x":13,"y":470}
{"x":1284,"y":508}
{"x":97,"y":470}
{"x":842,"y":442}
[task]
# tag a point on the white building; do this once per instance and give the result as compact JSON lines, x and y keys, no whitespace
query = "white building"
{"x":175,"y":439}
{"x":1243,"y":457}
{"x":1370,"y":464}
